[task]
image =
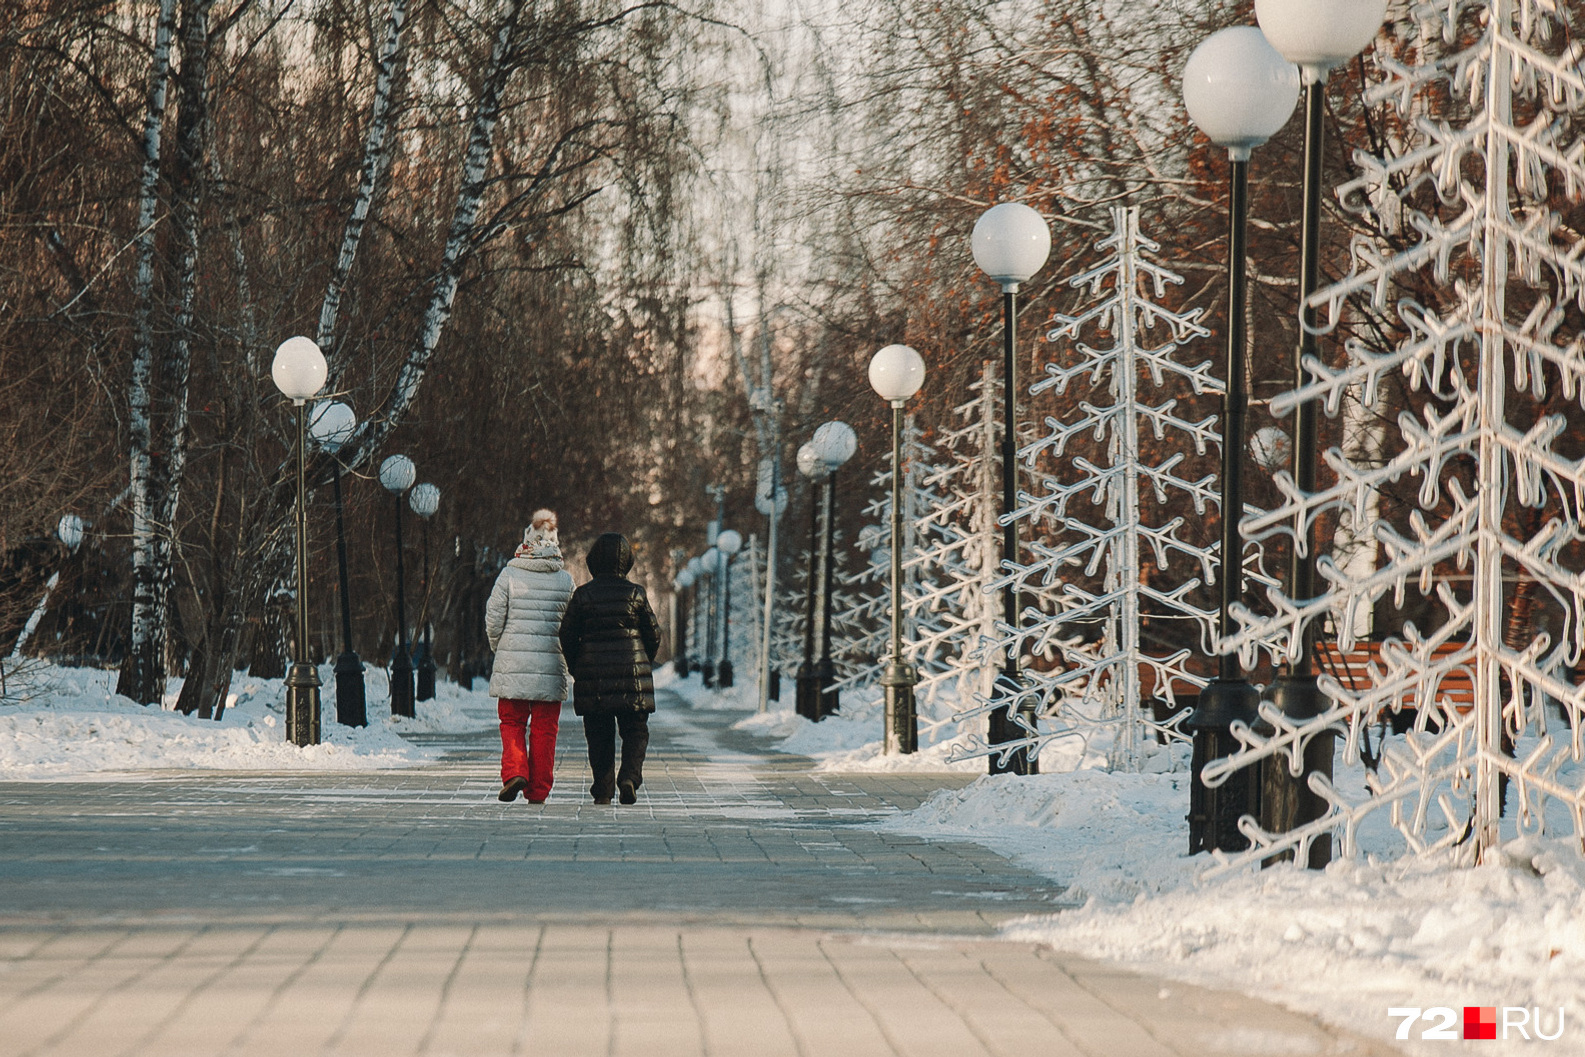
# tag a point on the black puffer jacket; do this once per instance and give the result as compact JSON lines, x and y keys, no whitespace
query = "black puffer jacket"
{"x":609,"y":635}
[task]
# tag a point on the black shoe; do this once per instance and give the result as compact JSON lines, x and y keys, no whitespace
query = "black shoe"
{"x":626,"y":793}
{"x":602,"y":800}
{"x":512,"y":787}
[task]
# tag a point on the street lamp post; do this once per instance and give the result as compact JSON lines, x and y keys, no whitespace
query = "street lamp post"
{"x":679,"y":623}
{"x":299,"y":372}
{"x":728,"y":543}
{"x":834,"y":444}
{"x":331,"y":426}
{"x":1240,"y":92}
{"x":1316,"y":36}
{"x":710,"y":561}
{"x":1010,"y":243}
{"x":704,"y":615}
{"x":770,"y":499}
{"x":806,"y":701}
{"x":397,"y":474}
{"x":425,"y":500}
{"x":896,"y":373}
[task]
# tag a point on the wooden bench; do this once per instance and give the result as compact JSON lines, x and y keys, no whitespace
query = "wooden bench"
{"x":1358,"y":669}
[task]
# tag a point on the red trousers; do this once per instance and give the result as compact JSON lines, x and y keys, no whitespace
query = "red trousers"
{"x":535,"y":761}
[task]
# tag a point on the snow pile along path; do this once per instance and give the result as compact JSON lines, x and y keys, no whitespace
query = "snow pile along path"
{"x":853,"y":739}
{"x":1346,"y":943}
{"x":71,"y":724}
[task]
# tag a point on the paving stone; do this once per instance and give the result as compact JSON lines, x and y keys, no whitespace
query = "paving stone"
{"x":743,"y":906}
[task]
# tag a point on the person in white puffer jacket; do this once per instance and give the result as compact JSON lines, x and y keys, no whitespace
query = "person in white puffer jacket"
{"x":530,"y":678}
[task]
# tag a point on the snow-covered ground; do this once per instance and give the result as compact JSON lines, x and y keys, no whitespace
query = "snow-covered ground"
{"x":69,"y":723}
{"x":851,"y":740}
{"x":1347,"y":943}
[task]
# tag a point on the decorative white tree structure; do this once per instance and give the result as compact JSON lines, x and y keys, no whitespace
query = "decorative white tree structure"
{"x":870,"y":615}
{"x":959,"y":547}
{"x":1489,"y":145}
{"x":1097,"y":566}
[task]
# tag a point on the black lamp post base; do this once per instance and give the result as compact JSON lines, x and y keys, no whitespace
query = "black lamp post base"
{"x":1214,"y":812}
{"x":425,"y":672}
{"x":1286,"y":800}
{"x":402,"y":684}
{"x":679,"y":664}
{"x":724,"y":675}
{"x":1004,"y":728}
{"x":707,"y":674}
{"x":351,"y":701}
{"x":807,"y":700}
{"x":302,"y":704}
{"x":902,"y":719}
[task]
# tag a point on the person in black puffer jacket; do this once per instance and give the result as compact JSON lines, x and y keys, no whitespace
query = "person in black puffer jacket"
{"x":609,"y":636}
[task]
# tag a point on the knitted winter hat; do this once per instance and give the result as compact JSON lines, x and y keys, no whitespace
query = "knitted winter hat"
{"x":540,"y":539}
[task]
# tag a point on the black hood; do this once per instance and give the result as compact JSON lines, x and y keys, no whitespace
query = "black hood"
{"x":611,"y":555}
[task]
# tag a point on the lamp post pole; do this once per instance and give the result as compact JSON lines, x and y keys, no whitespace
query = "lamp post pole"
{"x":1010,"y":244}
{"x":331,"y":425}
{"x":896,"y":373}
{"x":397,"y":474}
{"x":727,"y":543}
{"x":834,"y":444}
{"x":1240,"y":92}
{"x":807,"y":700}
{"x":351,"y":698}
{"x":425,"y":500}
{"x":1316,"y":36}
{"x":825,"y":668}
{"x":299,"y":371}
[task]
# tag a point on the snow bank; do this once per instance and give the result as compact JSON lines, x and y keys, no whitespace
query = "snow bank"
{"x":742,"y":696}
{"x":69,"y":723}
{"x":1345,"y":944}
{"x":853,"y":739}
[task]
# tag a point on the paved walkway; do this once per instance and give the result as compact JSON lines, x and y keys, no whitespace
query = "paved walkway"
{"x":741,"y":907}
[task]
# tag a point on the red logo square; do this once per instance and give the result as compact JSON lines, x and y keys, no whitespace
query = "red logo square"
{"x":1480,"y":1022}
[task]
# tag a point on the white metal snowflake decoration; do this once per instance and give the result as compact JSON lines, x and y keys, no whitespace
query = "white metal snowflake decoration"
{"x":1486,"y":380}
{"x":1098,"y":565}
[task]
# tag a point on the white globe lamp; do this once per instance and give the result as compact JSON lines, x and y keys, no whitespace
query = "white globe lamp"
{"x":1010,"y":243}
{"x":425,"y":500}
{"x":834,"y":444}
{"x":331,"y":423}
{"x":1239,"y":90}
{"x":397,"y":473}
{"x":896,"y":373}
{"x":298,"y":369}
{"x":1318,"y":35}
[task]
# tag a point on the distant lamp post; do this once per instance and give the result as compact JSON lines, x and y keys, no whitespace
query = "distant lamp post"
{"x":728,"y":543}
{"x":710,"y":565}
{"x":1239,"y":92}
{"x":695,"y":572}
{"x":425,"y":500}
{"x":834,"y":444}
{"x":1316,"y":36}
{"x":331,"y":425}
{"x":896,"y":373}
{"x":679,"y":623}
{"x":299,"y":372}
{"x":1010,"y":242}
{"x":806,"y":696}
{"x":770,"y":499}
{"x":397,"y":474}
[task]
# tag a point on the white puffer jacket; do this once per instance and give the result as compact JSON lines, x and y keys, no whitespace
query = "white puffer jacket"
{"x":522,"y":620}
